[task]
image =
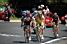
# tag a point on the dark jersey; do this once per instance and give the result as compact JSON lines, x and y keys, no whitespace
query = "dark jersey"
{"x":55,"y":18}
{"x":27,"y":22}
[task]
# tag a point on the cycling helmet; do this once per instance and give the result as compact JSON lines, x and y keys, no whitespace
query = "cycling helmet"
{"x":27,"y":12}
{"x":42,"y":5}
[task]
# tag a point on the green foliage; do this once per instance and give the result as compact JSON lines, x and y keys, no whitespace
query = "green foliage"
{"x":4,"y":0}
{"x":14,"y":17}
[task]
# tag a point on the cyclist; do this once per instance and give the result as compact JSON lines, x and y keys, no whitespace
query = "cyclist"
{"x":46,"y":11}
{"x":39,"y":22}
{"x":56,"y":23}
{"x":27,"y":20}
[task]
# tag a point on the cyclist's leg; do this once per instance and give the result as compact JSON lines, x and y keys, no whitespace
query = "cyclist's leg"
{"x":37,"y":28}
{"x":57,"y":26}
{"x":38,"y":33}
{"x":55,"y":29}
{"x":22,"y":22}
{"x":26,"y":34}
{"x":41,"y":30}
{"x":54,"y":26}
{"x":24,"y":29}
{"x":29,"y":30}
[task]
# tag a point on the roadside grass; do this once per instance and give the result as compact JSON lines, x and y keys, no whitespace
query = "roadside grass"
{"x":13,"y":17}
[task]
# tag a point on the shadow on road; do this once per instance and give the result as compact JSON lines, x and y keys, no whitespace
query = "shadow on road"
{"x":19,"y":42}
{"x":65,"y":30}
{"x":46,"y":38}
{"x":34,"y":39}
{"x":49,"y":37}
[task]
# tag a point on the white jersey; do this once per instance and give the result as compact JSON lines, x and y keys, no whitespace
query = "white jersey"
{"x":46,"y":11}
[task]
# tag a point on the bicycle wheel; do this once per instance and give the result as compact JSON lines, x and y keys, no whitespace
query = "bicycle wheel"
{"x":39,"y":38}
{"x":56,"y":35}
{"x":38,"y":35}
{"x":27,"y":36}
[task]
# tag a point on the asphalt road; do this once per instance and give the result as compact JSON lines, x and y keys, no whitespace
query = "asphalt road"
{"x":12,"y":33}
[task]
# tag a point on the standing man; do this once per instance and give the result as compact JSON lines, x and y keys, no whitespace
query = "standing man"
{"x":8,"y":11}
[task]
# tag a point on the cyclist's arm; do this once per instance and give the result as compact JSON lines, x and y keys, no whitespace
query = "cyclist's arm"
{"x":58,"y":19}
{"x":31,"y":23}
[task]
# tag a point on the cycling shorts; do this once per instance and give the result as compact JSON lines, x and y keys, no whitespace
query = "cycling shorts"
{"x":26,"y":27}
{"x":56,"y":24}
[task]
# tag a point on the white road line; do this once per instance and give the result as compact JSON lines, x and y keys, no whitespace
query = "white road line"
{"x":15,"y":20}
{"x":10,"y":35}
{"x":54,"y":40}
{"x":65,"y":24}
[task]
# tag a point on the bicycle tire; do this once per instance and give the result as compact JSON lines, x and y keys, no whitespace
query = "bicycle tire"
{"x":55,"y":31}
{"x":38,"y":36}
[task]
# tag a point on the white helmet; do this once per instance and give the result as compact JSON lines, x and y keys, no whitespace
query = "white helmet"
{"x":28,"y":12}
{"x":35,"y":11}
{"x":42,"y":5}
{"x":39,"y":7}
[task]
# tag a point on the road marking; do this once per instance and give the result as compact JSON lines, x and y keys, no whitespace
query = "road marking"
{"x":15,"y":20}
{"x":9,"y":35}
{"x":54,"y":40}
{"x":1,"y":21}
{"x":65,"y":24}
